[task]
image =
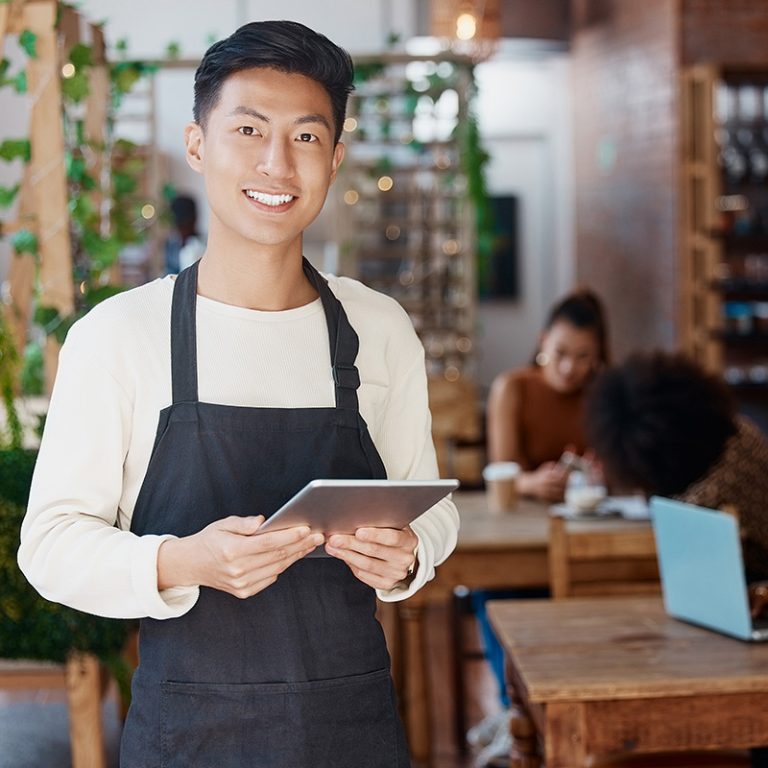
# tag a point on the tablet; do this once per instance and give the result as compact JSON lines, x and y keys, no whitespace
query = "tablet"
{"x":343,"y":506}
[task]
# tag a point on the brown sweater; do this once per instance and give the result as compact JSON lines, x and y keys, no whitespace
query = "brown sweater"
{"x":544,"y":421}
{"x":739,"y":478}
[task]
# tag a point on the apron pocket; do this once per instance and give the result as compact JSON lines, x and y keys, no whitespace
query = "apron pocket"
{"x":347,"y":722}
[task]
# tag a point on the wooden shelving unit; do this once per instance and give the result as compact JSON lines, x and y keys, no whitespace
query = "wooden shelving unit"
{"x":724,"y":225}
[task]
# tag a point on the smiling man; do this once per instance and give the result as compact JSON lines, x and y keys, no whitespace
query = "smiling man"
{"x":187,"y":411}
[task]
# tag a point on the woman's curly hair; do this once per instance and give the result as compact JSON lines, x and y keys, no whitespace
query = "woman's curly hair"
{"x":658,"y":422}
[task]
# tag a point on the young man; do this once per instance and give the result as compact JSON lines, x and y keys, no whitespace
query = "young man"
{"x":263,"y":374}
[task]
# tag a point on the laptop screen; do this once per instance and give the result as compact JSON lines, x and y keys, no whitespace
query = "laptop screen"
{"x":701,"y":566}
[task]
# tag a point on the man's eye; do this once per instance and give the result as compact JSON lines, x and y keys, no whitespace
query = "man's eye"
{"x":307,"y":137}
{"x":246,"y":130}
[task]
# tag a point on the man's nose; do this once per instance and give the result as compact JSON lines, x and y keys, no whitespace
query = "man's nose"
{"x":276,"y":159}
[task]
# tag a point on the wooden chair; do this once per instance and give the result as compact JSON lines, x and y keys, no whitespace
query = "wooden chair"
{"x":457,"y":429}
{"x":601,"y":557}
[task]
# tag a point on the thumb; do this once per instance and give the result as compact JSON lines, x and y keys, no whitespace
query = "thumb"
{"x":244,"y":526}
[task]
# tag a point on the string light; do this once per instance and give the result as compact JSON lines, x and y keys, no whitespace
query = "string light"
{"x":466,"y":26}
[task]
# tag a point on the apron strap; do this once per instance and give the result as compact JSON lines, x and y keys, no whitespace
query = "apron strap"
{"x":184,"y":337}
{"x":344,"y":343}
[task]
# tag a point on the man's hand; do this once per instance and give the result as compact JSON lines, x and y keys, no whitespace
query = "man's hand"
{"x":232,"y":556}
{"x":379,"y":557}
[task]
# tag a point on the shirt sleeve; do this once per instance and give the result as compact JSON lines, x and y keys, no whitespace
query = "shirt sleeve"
{"x":71,"y":550}
{"x":406,"y":447}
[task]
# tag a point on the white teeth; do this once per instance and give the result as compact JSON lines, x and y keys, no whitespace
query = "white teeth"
{"x":265,"y":199}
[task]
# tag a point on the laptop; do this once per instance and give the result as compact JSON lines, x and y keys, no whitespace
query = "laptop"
{"x":702,"y":569}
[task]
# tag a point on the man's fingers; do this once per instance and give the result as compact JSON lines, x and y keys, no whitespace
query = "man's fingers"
{"x":244,"y":526}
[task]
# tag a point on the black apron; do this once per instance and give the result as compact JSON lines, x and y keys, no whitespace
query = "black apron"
{"x":296,"y":676}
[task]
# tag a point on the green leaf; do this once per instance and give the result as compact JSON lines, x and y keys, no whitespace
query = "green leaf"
{"x":102,"y":250}
{"x":125,"y":77}
{"x":123,"y":184}
{"x":10,"y":149}
{"x":28,"y":41}
{"x":81,"y":55}
{"x":121,"y":46}
{"x":169,"y":192}
{"x":94,"y":296}
{"x":8,"y":195}
{"x":172,"y":50}
{"x":77,"y":87}
{"x":20,"y":82}
{"x":5,"y":65}
{"x":25,"y":241}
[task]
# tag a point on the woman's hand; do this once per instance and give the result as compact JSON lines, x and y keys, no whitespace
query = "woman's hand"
{"x":758,"y":597}
{"x":546,"y":483}
{"x":232,"y":556}
{"x":379,"y":557}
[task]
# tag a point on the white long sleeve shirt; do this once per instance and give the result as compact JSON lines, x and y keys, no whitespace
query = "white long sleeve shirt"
{"x":114,"y":379}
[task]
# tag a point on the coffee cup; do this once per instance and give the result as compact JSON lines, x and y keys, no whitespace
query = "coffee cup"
{"x":501,"y":485}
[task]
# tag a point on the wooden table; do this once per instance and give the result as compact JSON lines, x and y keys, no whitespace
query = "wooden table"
{"x":494,"y":551}
{"x":82,"y":676}
{"x":607,"y":675}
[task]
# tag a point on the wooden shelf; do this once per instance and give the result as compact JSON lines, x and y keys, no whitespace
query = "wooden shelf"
{"x":754,"y":337}
{"x":749,"y":288}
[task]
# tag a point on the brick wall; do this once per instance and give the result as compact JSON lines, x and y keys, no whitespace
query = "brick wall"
{"x":626,"y":59}
{"x":730,"y":31}
{"x":625,"y":126}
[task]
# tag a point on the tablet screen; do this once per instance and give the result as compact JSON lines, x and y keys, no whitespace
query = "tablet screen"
{"x":343,"y":506}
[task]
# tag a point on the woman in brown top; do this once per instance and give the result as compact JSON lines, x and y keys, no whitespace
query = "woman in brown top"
{"x":661,"y":425}
{"x":536,"y":412}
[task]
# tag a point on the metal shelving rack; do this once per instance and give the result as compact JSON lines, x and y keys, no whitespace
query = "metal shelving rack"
{"x":406,"y":223}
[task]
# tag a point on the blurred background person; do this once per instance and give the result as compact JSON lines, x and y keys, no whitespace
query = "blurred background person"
{"x":661,"y":425}
{"x":184,"y":245}
{"x":535,"y":413}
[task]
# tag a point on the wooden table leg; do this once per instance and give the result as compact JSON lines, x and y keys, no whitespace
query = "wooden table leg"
{"x":416,"y":683}
{"x":83,"y":673}
{"x":564,"y":737}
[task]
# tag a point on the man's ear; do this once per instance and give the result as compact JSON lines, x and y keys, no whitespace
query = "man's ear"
{"x":194,"y":139}
{"x":338,"y":157}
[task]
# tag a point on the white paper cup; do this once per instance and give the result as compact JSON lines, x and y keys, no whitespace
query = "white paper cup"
{"x":501,"y":485}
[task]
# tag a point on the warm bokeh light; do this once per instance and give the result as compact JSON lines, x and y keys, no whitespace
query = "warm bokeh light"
{"x":147,"y":211}
{"x":350,"y":124}
{"x":68,"y":70}
{"x":464,"y":344}
{"x":451,"y":247}
{"x":452,"y":373}
{"x":351,"y":197}
{"x":466,"y":26}
{"x":385,"y":183}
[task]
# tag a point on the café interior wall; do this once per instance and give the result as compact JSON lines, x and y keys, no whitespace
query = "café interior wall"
{"x":625,"y":72}
{"x":524,"y":114}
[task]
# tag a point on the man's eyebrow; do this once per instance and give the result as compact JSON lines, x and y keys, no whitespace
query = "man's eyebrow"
{"x":316,"y":118}
{"x":303,"y":120}
{"x":250,"y":112}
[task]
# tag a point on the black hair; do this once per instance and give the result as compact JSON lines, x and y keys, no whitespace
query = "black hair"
{"x":285,"y":46}
{"x":184,"y":210}
{"x":582,"y":309}
{"x":658,"y":422}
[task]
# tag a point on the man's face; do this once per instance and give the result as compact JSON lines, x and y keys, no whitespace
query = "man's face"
{"x":267,"y":155}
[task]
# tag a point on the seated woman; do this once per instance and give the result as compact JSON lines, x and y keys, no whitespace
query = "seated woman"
{"x":661,"y":425}
{"x":534,"y":414}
